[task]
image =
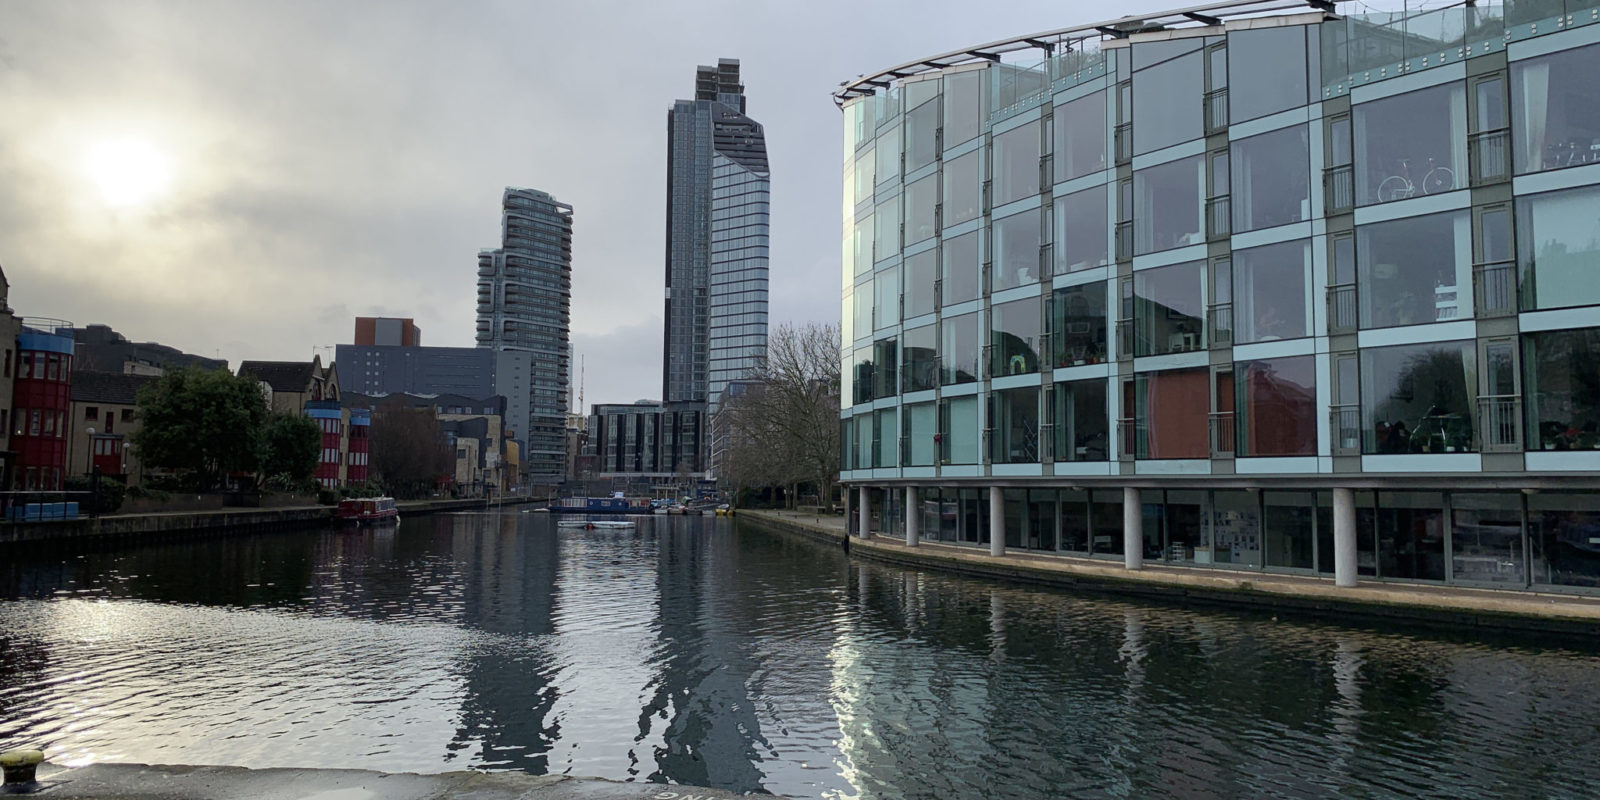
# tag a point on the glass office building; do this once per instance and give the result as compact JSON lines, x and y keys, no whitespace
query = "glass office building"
{"x":1263,"y":286}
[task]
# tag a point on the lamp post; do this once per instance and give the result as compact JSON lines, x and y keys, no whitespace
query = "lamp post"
{"x":94,"y":476}
{"x":88,"y":466}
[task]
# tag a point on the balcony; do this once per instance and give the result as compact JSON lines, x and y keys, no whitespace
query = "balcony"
{"x":1222,"y":434}
{"x":1342,"y":308}
{"x":1219,"y":325}
{"x":1345,"y":421}
{"x":1216,"y":110}
{"x":1124,"y":339}
{"x":1219,"y":218}
{"x":1339,"y":189}
{"x":1131,"y":434}
{"x":1489,"y":156}
{"x":1500,"y":423}
{"x":1123,"y":139}
{"x":1124,"y":237}
{"x":1494,"y":288}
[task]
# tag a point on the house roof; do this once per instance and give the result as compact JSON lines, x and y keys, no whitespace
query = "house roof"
{"x":282,"y":376}
{"x":107,"y":387}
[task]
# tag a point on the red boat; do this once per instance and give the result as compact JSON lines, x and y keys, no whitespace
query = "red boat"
{"x":366,"y":510}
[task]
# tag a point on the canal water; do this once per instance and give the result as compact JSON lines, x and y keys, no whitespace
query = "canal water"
{"x":708,"y":652}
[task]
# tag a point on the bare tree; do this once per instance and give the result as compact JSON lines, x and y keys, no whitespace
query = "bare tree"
{"x":785,"y":430}
{"x":409,"y":454}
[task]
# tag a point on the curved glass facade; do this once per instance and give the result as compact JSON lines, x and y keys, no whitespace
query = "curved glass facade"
{"x":1250,"y":267}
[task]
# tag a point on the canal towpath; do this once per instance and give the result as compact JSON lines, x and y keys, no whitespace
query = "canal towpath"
{"x":1460,"y":607}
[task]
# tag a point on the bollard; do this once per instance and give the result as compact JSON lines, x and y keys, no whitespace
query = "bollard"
{"x":19,"y":766}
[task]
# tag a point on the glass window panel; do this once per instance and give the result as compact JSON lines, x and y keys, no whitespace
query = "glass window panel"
{"x":919,"y":92}
{"x":1555,"y":110}
{"x":1168,"y":309}
{"x":1277,"y":406}
{"x":1415,"y":270}
{"x":1269,"y":292}
{"x":1078,"y":324}
{"x":1419,"y":398}
{"x":958,"y":349}
{"x":864,"y":374}
{"x":1344,"y":260}
{"x":1564,"y":530}
{"x":1235,"y":530}
{"x":886,"y":437}
{"x":958,"y":430}
{"x":888,"y":155}
{"x":922,"y":136}
{"x":963,"y":107}
{"x":885,"y":378}
{"x":1081,"y":239}
{"x":1558,"y":248}
{"x":1016,"y":257}
{"x":1072,"y":520}
{"x":1169,"y":200}
{"x":847,"y":379}
{"x":1015,"y":172}
{"x":960,"y":269}
{"x":862,"y":257}
{"x":920,"y":358}
{"x":1287,"y":527}
{"x":1014,"y":336}
{"x":922,"y":202}
{"x":1083,"y":422}
{"x":1562,"y":385}
{"x":863,"y":310}
{"x":1105,"y":522}
{"x":922,"y":425}
{"x":1014,"y":429}
{"x":1080,"y":137}
{"x":1339,"y":142}
{"x":921,"y":273}
{"x":1494,"y":235}
{"x":962,"y":189}
{"x":1166,"y":100}
{"x":1410,"y":145}
{"x":865,"y":169}
{"x":886,"y":242}
{"x":886,"y":298}
{"x":1183,"y":517}
{"x":1486,"y":538}
{"x":864,"y":441}
{"x":1171,"y":424}
{"x":1267,"y":69}
{"x":1271,"y":179}
{"x":1410,"y":529}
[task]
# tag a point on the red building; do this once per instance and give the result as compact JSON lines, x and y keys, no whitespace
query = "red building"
{"x":41,"y":402}
{"x":360,"y":445}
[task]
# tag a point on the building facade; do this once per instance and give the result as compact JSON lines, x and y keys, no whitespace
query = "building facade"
{"x":470,"y":371}
{"x":1241,"y":286}
{"x":104,"y":417}
{"x":41,"y":403}
{"x":718,"y":213}
{"x":388,"y":331}
{"x":309,"y":388}
{"x":101,"y":349}
{"x":524,"y":300}
{"x":648,"y":442}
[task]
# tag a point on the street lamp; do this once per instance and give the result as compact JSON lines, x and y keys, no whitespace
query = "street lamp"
{"x":89,"y":466}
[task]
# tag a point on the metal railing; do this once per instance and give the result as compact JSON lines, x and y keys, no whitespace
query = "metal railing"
{"x":1122,"y":138}
{"x":1129,"y":431}
{"x":1500,"y":423}
{"x":1219,"y":217}
{"x":1342,"y":308}
{"x":1221,"y":433}
{"x":1345,"y":419}
{"x":1489,"y":156}
{"x":1339,"y":189}
{"x":1494,"y":288}
{"x":1216,"y":110}
{"x":1219,"y":325}
{"x":1124,"y":237}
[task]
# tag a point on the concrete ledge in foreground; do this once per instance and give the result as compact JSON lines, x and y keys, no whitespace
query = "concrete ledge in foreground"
{"x":1435,"y":605}
{"x":145,"y":782}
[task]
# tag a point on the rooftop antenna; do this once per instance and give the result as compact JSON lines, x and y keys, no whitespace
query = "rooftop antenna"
{"x":580,"y":383}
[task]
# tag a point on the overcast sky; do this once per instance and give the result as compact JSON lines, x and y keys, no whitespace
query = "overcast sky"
{"x":334,"y":159}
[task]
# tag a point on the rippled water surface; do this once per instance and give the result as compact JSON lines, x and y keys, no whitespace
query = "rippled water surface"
{"x":694,"y":651}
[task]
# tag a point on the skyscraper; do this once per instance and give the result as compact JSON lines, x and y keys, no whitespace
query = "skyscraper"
{"x":718,"y":202}
{"x":524,"y":297}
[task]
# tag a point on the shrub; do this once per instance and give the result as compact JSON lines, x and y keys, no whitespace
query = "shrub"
{"x":112,"y":492}
{"x":327,"y":497}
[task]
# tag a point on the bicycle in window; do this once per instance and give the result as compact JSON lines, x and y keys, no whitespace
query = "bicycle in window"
{"x":1438,"y":178}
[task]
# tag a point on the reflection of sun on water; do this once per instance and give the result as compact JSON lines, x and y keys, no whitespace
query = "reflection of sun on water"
{"x":129,"y":172}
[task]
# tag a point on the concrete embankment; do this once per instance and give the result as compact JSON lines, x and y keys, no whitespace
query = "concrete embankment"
{"x":157,"y":526}
{"x":142,"y":782}
{"x":1484,"y":609}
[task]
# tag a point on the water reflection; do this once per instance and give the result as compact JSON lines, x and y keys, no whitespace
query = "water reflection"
{"x":690,"y":651}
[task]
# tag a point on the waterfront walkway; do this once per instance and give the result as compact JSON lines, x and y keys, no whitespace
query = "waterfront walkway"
{"x":1450,"y":605}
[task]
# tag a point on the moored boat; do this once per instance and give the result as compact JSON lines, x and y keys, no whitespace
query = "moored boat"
{"x":367,"y":510}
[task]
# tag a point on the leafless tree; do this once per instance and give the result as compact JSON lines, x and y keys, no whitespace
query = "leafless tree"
{"x":784,"y":431}
{"x":409,"y":454}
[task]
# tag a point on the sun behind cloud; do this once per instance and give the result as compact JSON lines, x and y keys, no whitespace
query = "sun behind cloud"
{"x":129,"y":172}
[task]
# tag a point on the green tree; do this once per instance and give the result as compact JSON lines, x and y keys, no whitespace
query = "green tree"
{"x":202,"y":424}
{"x":290,"y":447}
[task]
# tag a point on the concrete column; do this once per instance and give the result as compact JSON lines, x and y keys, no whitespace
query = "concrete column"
{"x":913,"y":516}
{"x":1344,"y":537}
{"x":864,"y":513}
{"x":1132,"y":529}
{"x":997,"y":522}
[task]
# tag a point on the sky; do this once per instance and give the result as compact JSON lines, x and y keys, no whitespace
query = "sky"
{"x":242,"y":179}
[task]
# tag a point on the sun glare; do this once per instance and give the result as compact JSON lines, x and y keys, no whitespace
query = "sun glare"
{"x":129,"y":172}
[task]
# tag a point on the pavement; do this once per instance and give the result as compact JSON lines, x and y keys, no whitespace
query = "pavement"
{"x":146,"y":782}
{"x":1519,"y":609}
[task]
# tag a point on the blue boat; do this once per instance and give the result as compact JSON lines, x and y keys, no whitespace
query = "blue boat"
{"x":595,"y":505}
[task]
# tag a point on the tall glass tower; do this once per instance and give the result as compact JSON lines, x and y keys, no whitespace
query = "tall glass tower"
{"x":524,"y":297}
{"x":718,"y":203}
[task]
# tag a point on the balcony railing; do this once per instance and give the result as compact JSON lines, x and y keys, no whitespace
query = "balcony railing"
{"x":1500,"y":423}
{"x":1132,"y":438}
{"x":1124,"y":237}
{"x":1221,"y":434}
{"x":1494,"y":288}
{"x":1124,"y":339}
{"x":1339,"y":189}
{"x":1219,"y":325}
{"x":1123,"y":139}
{"x":1219,"y":219}
{"x":1216,"y":110}
{"x":1489,"y":156}
{"x":1346,"y":429}
{"x":1342,"y":308}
